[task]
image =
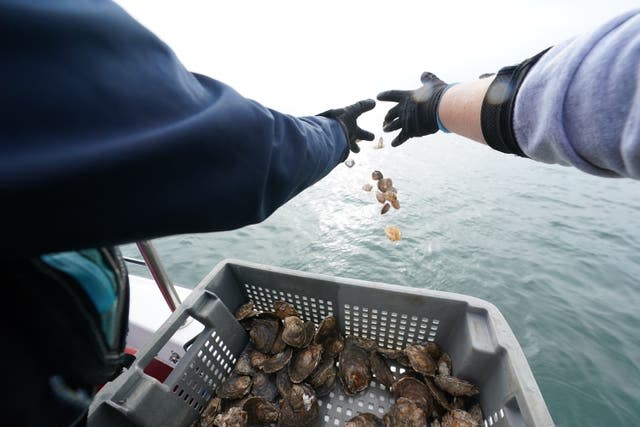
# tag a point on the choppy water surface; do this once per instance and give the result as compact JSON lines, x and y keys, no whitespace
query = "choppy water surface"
{"x":556,"y":250}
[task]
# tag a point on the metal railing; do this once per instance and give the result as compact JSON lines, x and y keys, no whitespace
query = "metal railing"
{"x":151,"y":260}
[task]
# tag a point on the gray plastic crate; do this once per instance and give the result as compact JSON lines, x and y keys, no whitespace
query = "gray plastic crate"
{"x":479,"y":340}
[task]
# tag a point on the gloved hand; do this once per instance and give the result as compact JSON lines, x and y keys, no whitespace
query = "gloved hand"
{"x":416,"y":112}
{"x":347,"y":117}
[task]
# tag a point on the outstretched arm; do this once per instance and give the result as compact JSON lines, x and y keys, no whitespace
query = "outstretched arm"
{"x":106,"y":138}
{"x":577,"y":104}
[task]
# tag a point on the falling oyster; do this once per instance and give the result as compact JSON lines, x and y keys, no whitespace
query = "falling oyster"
{"x":295,"y":331}
{"x":390,"y":196}
{"x":264,"y":386}
{"x":367,"y":187}
{"x":414,"y":390}
{"x":211,"y":411}
{"x":349,"y":163}
{"x":354,"y":372}
{"x":235,"y":387}
{"x":264,"y":332}
{"x":304,"y":362}
{"x":234,"y":417}
{"x":380,"y":369}
{"x":444,"y":365}
{"x":395,"y":204}
{"x":376,"y":175}
{"x":456,"y":386}
{"x":283,"y":309}
{"x":258,"y":359}
{"x":299,"y":407}
{"x":421,"y":360}
{"x":277,"y":362}
{"x":393,"y":233}
{"x":459,"y":418}
{"x":364,"y":420}
{"x":385,"y":184}
{"x":405,"y":413}
{"x":380,"y":197}
{"x":260,"y":411}
{"x":379,"y":144}
{"x":385,"y":208}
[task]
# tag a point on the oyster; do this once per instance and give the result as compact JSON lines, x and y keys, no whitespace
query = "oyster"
{"x":444,"y":365}
{"x":420,"y":359}
{"x":264,"y":331}
{"x":299,"y":407}
{"x":393,"y":233}
{"x":405,"y":413}
{"x":235,"y":387}
{"x":325,"y":370}
{"x":283,"y":382}
{"x":385,"y":208}
{"x":415,"y":390}
{"x":362,"y":342}
{"x":354,"y":372}
{"x":260,"y":411}
{"x":458,"y":418}
{"x":277,"y":362}
{"x":367,"y":187}
{"x":380,"y":197}
{"x":246,"y":311}
{"x":455,"y":386}
{"x":264,"y":386}
{"x":476,"y":413}
{"x":258,"y":359}
{"x":328,"y":335}
{"x":395,"y":204}
{"x":438,"y":395}
{"x":390,"y":196}
{"x":434,"y":350}
{"x":380,"y":144}
{"x":304,"y":362}
{"x":283,"y":309}
{"x":243,"y":365}
{"x":278,"y":345}
{"x":376,"y":175}
{"x":385,"y":184}
{"x":234,"y":417}
{"x":328,"y":386}
{"x":295,"y":331}
{"x":391,"y":353}
{"x":380,"y":369}
{"x":364,"y":420}
{"x":211,"y":411}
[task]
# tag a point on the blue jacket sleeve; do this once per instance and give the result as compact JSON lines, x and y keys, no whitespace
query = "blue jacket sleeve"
{"x":580,"y":103}
{"x":106,"y":138}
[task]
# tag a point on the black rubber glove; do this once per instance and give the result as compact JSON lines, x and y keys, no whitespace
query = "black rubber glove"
{"x":416,"y":111}
{"x":347,"y":117}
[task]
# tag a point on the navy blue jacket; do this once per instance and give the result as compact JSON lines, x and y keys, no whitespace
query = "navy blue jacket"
{"x":106,"y":138}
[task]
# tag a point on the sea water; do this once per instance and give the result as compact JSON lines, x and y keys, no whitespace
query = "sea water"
{"x":556,"y":250}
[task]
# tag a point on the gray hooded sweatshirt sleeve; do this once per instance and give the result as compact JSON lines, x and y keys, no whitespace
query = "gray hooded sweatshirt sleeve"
{"x":580,"y":103}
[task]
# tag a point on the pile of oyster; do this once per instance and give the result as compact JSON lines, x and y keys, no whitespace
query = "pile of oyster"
{"x":387,"y":194}
{"x":290,"y":363}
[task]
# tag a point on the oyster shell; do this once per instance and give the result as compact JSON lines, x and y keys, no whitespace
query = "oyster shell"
{"x":354,"y":371}
{"x":393,"y":233}
{"x":405,"y":413}
{"x":380,"y":369}
{"x":283,"y":382}
{"x":258,"y":359}
{"x":445,"y":365}
{"x":211,"y":411}
{"x":304,"y":362}
{"x":476,"y":414}
{"x":283,"y":309}
{"x":438,"y":395}
{"x":391,"y":353}
{"x":380,"y":197}
{"x":278,"y":345}
{"x":420,"y":359}
{"x":385,"y":208}
{"x":395,"y":204}
{"x":260,"y":411}
{"x":456,"y":386}
{"x":458,"y":418}
{"x":325,"y":370}
{"x":299,"y":407}
{"x":385,"y":184}
{"x":294,"y":332}
{"x":243,"y":365}
{"x":376,"y":175}
{"x":235,"y":387}
{"x":234,"y":417}
{"x":364,"y":343}
{"x":246,"y":311}
{"x":367,"y":187}
{"x":264,"y":386}
{"x":328,"y":335}
{"x":415,"y":390}
{"x":278,"y":361}
{"x":364,"y":420}
{"x":264,"y":331}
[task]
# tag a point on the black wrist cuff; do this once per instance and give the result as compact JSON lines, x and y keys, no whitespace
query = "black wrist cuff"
{"x":496,"y":116}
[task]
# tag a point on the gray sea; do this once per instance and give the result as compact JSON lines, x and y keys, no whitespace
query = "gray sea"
{"x":556,"y":250}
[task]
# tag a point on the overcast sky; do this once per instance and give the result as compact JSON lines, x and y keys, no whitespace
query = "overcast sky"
{"x":305,"y":57}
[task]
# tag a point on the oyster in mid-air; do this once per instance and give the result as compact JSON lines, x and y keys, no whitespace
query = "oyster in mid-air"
{"x":393,"y":233}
